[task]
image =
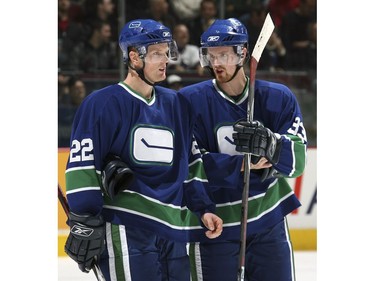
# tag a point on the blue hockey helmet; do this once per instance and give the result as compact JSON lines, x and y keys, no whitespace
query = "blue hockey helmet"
{"x":141,"y":33}
{"x":227,"y":32}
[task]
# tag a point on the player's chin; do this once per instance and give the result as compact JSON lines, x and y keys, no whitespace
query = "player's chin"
{"x":222,"y":79}
{"x":221,"y":76}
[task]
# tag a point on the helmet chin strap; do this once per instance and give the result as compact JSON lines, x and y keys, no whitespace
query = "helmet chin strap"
{"x":141,"y":74}
{"x":238,"y":67}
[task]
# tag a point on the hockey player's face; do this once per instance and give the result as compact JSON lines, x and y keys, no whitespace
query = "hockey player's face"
{"x":156,"y":61}
{"x":222,"y":56}
{"x":223,"y":61}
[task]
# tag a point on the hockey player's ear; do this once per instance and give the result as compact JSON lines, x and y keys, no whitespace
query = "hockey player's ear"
{"x":134,"y":58}
{"x":245,"y":55}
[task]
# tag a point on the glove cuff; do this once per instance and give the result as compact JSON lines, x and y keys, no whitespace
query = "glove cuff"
{"x":275,"y":157}
{"x":88,"y":220}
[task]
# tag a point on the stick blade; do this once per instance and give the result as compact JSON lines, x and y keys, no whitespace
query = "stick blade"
{"x":263,"y":38}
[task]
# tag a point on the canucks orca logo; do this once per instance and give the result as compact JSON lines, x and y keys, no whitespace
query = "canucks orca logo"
{"x":153,"y":145}
{"x":225,"y":140}
{"x":166,"y":34}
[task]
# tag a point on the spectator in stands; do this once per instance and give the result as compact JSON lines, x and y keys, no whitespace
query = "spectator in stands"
{"x":159,"y":11}
{"x":101,"y":10}
{"x":185,"y":10}
{"x":274,"y":53}
{"x":68,"y":14}
{"x":207,"y":15}
{"x":135,"y":9}
{"x":188,"y":53}
{"x":279,"y":8}
{"x":295,"y":32}
{"x":174,"y":82}
{"x":75,"y":92}
{"x":237,"y":8}
{"x":97,"y":53}
{"x":62,"y":88}
{"x":70,"y":29}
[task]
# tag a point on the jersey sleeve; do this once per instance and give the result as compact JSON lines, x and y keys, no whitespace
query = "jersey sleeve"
{"x":197,"y":194}
{"x":223,"y":170}
{"x":289,"y":127}
{"x":293,"y":155}
{"x":91,"y":129}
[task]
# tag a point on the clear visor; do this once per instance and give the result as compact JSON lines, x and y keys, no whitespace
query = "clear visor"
{"x":210,"y":56}
{"x":157,"y":56}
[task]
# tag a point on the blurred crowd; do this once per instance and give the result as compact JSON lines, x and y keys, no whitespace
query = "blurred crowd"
{"x":88,"y":38}
{"x":88,"y":30}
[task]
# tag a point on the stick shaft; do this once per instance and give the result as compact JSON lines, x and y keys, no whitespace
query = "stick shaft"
{"x":263,"y":38}
{"x":244,"y":210}
{"x":64,"y":203}
{"x":247,"y":161}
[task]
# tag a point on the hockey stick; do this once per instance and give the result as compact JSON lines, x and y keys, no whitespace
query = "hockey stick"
{"x":263,"y":38}
{"x":64,"y":203}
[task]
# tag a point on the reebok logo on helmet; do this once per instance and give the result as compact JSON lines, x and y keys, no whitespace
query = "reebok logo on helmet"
{"x":213,"y":38}
{"x":135,"y":24}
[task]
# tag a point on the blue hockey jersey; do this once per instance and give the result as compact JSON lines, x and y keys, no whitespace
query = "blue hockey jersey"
{"x":215,"y":112}
{"x":155,"y":138}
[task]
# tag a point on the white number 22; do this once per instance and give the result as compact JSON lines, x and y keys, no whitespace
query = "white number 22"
{"x":81,"y":151}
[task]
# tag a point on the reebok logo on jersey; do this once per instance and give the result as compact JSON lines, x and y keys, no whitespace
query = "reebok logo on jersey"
{"x":81,"y":231}
{"x":213,"y":38}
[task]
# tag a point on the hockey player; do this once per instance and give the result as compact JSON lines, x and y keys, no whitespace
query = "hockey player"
{"x":138,"y":233}
{"x":277,"y":141}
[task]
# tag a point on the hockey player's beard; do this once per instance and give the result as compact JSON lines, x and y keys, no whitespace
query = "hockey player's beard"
{"x":222,"y":76}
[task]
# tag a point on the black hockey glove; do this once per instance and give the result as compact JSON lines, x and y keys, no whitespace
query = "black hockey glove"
{"x":85,"y":242}
{"x":268,"y":173}
{"x":253,"y":137}
{"x":116,"y":176}
{"x":264,"y":173}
